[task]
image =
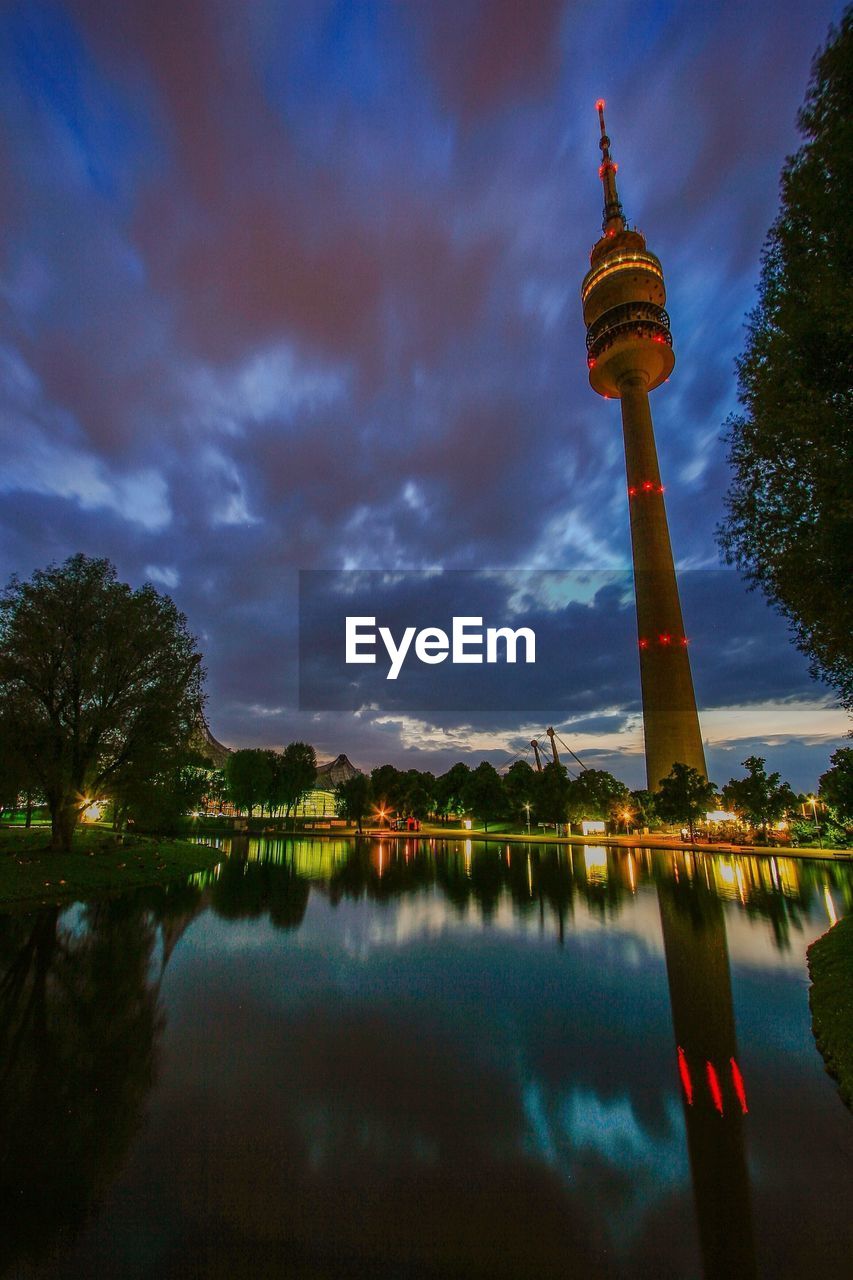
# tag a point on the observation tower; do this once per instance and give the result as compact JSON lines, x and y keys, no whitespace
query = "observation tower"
{"x":629,"y":353}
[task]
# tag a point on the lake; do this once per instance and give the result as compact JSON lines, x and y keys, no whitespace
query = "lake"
{"x":427,"y":1058}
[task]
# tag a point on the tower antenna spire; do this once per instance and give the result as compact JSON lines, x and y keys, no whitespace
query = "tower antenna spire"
{"x":628,"y":354}
{"x":614,"y":219}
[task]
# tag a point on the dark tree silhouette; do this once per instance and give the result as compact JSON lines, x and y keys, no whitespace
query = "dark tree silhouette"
{"x":789,"y":521}
{"x":98,"y":682}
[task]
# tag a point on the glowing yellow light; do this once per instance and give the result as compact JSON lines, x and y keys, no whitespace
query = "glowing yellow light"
{"x":830,"y":905}
{"x":91,"y":810}
{"x":620,"y":262}
{"x":595,"y":860}
{"x":467,"y":825}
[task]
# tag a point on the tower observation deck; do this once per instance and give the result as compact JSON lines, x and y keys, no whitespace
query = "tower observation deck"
{"x":629,"y":353}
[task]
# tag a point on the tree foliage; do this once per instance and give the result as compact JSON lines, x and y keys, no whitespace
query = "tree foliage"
{"x":98,"y":683}
{"x":353,"y":798}
{"x":836,"y":785}
{"x":760,"y":797}
{"x":552,"y":790}
{"x":789,"y":509}
{"x":685,"y":795}
{"x":248,"y":773}
{"x":595,"y":793}
{"x":484,"y":795}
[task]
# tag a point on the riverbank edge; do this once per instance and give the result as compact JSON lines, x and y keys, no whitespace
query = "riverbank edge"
{"x":33,"y":876}
{"x":830,"y":960}
{"x":802,"y":852}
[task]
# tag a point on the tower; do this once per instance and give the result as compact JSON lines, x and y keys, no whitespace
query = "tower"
{"x":629,"y":353}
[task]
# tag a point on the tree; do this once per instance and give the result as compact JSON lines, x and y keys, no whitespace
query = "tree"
{"x":643,"y":804}
{"x":836,"y":785}
{"x":685,"y":794}
{"x":595,"y":793}
{"x":97,"y":681}
{"x":353,"y":798}
{"x":483,"y":793}
{"x":789,"y":506}
{"x":449,"y":787}
{"x":552,"y":789}
{"x":17,"y":777}
{"x":387,"y":784}
{"x":297,"y":772}
{"x":760,"y":797}
{"x":247,"y":773}
{"x":519,"y":789}
{"x":160,"y":803}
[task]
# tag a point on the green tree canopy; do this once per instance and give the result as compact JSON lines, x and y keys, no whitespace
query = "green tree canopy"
{"x":595,"y":793}
{"x":248,"y":773}
{"x":836,"y":785}
{"x":353,"y":798}
{"x":97,"y":682}
{"x":295,"y":774}
{"x":760,"y":797}
{"x":789,"y":509}
{"x":519,"y":788}
{"x":449,"y":788}
{"x":685,"y":795}
{"x":552,"y":789}
{"x":483,"y":794}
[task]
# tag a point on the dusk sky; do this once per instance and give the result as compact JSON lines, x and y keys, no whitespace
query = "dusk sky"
{"x":296,"y":285}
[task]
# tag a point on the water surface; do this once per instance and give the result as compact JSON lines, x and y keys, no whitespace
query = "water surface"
{"x":417,"y":1058}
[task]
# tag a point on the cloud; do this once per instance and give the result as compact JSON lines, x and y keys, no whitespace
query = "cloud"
{"x":297,"y":287}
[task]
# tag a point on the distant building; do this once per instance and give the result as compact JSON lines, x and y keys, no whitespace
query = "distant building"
{"x":208,"y":747}
{"x":320,"y":801}
{"x":341,"y":769}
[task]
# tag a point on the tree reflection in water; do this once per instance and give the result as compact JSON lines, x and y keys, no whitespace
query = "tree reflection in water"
{"x":80,"y":1019}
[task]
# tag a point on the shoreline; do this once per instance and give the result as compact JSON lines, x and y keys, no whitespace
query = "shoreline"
{"x":429,"y":832}
{"x":100,"y":864}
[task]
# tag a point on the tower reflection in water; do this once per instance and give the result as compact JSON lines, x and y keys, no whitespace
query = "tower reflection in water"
{"x":712,"y":1084}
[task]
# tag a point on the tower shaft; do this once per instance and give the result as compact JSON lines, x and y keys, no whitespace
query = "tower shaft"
{"x":670,"y":719}
{"x":629,"y":353}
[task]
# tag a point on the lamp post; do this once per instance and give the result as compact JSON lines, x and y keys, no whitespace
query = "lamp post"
{"x":626,"y":818}
{"x":527,"y":811}
{"x":813,"y":802}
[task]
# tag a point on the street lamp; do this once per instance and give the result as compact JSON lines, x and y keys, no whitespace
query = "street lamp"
{"x":527,"y":810}
{"x":813,"y":802}
{"x":627,"y":815}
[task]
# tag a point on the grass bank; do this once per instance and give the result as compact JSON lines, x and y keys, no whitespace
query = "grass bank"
{"x":100,"y":862}
{"x":831,"y":1000}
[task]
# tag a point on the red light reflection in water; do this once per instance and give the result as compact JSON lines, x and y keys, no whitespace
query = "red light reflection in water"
{"x":714,"y":1086}
{"x":684,"y":1072}
{"x":740,"y":1090}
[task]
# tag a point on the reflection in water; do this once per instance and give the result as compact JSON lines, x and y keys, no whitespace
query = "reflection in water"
{"x":713,"y":1092}
{"x":387,"y":1077}
{"x":80,"y":1018}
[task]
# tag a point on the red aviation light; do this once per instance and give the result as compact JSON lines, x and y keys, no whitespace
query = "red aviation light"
{"x":740,"y":1090}
{"x":600,"y":105}
{"x":714,"y":1086}
{"x":648,"y":486}
{"x":684,"y":1072}
{"x":685,"y":641}
{"x":644,"y":644}
{"x":665,"y":638}
{"x":632,"y":491}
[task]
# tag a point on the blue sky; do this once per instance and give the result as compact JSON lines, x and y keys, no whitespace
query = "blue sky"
{"x":294,"y":286}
